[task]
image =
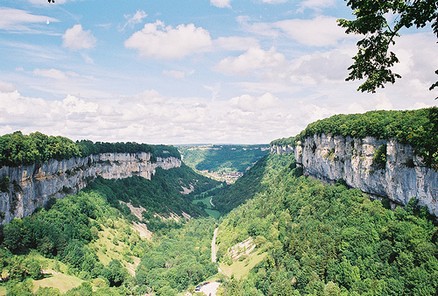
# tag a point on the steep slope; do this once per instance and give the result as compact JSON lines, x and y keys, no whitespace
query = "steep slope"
{"x":391,"y":154}
{"x":326,"y":240}
{"x":34,"y":170}
{"x":97,"y":234}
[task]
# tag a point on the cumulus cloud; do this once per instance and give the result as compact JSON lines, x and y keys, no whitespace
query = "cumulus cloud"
{"x":319,"y":31}
{"x":221,"y":3}
{"x":253,"y":59}
{"x":150,"y":117}
{"x":76,"y":38}
{"x":20,"y":20}
{"x":156,"y":40}
{"x":316,"y":4}
{"x":6,"y":86}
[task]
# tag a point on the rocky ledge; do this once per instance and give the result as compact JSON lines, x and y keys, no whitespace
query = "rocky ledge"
{"x":30,"y":187}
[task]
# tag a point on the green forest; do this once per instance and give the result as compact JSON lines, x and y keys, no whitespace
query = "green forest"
{"x":18,"y":149}
{"x":327,"y":240}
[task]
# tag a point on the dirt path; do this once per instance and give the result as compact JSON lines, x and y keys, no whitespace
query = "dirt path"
{"x":211,"y":202}
{"x":213,"y":246}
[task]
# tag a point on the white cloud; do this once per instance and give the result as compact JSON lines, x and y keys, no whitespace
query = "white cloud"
{"x":20,"y":20}
{"x":236,"y":43}
{"x":221,"y":3}
{"x":76,"y":38}
{"x":6,"y":86}
{"x":159,"y":41}
{"x":319,"y":31}
{"x":73,"y":104}
{"x":316,"y":4}
{"x":150,"y":117}
{"x":253,"y":59}
{"x":136,"y":18}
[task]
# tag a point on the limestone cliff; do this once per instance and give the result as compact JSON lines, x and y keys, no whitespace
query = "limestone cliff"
{"x":31,"y":186}
{"x":401,"y":176}
{"x":282,"y":149}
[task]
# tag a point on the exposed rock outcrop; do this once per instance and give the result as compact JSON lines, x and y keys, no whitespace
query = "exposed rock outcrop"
{"x":400,"y":176}
{"x":32,"y":186}
{"x":282,"y":149}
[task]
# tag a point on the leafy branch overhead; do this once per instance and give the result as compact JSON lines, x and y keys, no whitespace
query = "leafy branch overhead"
{"x":374,"y":58}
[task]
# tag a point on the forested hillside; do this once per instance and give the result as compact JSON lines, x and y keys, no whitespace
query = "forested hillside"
{"x":323,"y":239}
{"x":163,"y":196}
{"x":92,"y":243}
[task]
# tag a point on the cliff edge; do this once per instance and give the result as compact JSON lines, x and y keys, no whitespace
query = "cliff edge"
{"x":28,"y":187}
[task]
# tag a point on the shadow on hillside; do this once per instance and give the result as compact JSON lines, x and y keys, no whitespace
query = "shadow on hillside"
{"x":244,"y":188}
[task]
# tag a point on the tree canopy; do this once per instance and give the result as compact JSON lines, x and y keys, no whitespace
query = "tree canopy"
{"x":374,"y":58}
{"x":417,"y":128}
{"x":17,"y":149}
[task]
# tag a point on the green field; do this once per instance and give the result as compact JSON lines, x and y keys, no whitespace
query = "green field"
{"x":209,"y":209}
{"x":63,"y":282}
{"x":241,"y":268}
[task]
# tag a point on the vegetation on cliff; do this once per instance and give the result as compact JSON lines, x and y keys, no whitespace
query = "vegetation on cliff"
{"x":328,"y":240}
{"x":283,"y":141}
{"x":18,"y":149}
{"x":418,"y":128}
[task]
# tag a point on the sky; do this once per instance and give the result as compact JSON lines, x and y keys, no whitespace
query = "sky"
{"x":190,"y":71}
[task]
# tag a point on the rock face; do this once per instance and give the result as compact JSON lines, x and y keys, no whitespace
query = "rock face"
{"x":30,"y":187}
{"x":280,"y":149}
{"x":401,"y":177}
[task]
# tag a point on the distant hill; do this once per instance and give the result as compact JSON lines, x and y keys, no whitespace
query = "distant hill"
{"x":222,"y":162}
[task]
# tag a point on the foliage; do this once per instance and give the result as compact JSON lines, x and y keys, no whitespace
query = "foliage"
{"x":18,"y":149}
{"x":379,"y":158}
{"x":329,"y":240}
{"x":162,"y":195}
{"x":223,"y":158}
{"x":64,"y":232}
{"x":283,"y":141}
{"x":88,"y":148}
{"x":179,"y":259}
{"x":374,"y":58}
{"x":418,"y":128}
{"x":229,"y":197}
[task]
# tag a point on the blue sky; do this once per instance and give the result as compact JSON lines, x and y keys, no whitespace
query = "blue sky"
{"x":200,"y":71}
